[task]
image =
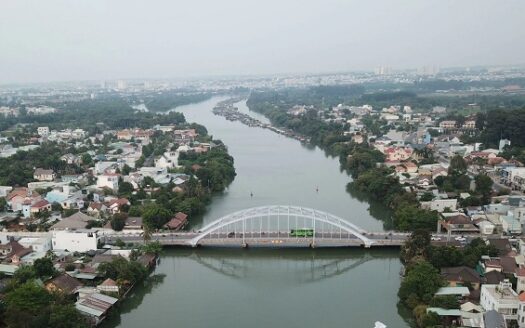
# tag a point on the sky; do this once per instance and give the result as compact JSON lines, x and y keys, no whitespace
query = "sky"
{"x":64,"y":40}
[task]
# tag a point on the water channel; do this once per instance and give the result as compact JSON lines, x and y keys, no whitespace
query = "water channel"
{"x":271,"y":287}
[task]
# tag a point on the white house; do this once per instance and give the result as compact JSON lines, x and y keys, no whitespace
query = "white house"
{"x":75,"y":201}
{"x":500,"y":298}
{"x":486,"y":227}
{"x":70,"y":159}
{"x":43,"y":131}
{"x":44,"y":175}
{"x":109,"y":286}
{"x":108,"y":181}
{"x":169,"y":159}
{"x":5,"y":190}
{"x":102,"y":166}
{"x":37,"y":244}
{"x":440,"y":205}
{"x":75,"y":241}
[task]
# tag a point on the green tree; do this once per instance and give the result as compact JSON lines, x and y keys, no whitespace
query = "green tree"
{"x":66,"y":316}
{"x":362,"y":160}
{"x":87,"y":160}
{"x":458,"y":166}
{"x":43,"y":267}
{"x":24,"y":274}
{"x":125,"y":188}
{"x":3,"y":204}
{"x":431,"y":319}
{"x":27,"y":306}
{"x":153,"y":248}
{"x":120,"y":243}
{"x":126,"y":169}
{"x":409,"y":218}
{"x":483,"y":184}
{"x":155,"y":216}
{"x":416,"y":246}
{"x":420,"y":284}
{"x":445,"y":302}
{"x":445,"y":256}
{"x":427,"y":196}
{"x":118,"y":221}
{"x":123,"y":270}
{"x":135,"y":211}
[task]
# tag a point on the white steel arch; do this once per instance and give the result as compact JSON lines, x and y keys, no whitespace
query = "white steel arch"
{"x":281,"y":211}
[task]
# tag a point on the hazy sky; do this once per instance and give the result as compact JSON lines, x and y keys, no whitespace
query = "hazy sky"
{"x":52,"y":40}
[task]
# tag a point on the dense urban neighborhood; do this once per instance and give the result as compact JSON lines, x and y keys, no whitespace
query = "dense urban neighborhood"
{"x":80,"y":172}
{"x":64,"y":190}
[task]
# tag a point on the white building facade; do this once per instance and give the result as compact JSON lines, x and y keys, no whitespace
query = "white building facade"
{"x":75,"y":241}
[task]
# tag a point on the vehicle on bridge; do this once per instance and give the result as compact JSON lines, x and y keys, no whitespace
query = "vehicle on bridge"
{"x":301,"y":233}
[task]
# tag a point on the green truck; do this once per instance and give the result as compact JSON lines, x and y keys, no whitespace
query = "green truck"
{"x":301,"y":233}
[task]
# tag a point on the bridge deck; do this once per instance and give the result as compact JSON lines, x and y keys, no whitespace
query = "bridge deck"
{"x":269,"y":239}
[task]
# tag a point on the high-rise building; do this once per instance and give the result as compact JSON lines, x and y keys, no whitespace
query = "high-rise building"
{"x":383,"y":70}
{"x":121,"y":84}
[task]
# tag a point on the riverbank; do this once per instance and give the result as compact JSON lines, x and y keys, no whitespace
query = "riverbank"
{"x":228,"y":110}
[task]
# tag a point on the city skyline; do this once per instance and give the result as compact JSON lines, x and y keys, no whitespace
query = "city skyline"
{"x":106,"y":41}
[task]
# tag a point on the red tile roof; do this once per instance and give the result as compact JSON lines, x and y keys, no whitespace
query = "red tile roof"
{"x":41,"y":203}
{"x":178,"y":221}
{"x":108,"y":282}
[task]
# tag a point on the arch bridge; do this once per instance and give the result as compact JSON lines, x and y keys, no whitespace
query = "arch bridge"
{"x":283,"y":226}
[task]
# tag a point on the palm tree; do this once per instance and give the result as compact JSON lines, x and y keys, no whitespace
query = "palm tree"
{"x":147,"y":233}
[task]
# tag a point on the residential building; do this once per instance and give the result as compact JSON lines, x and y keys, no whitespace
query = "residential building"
{"x":461,"y":276}
{"x":33,"y":207}
{"x":185,"y":136}
{"x":108,"y":181}
{"x":469,"y":124}
{"x":440,"y":205}
{"x":447,"y":124}
{"x":457,"y":224}
{"x":96,"y":209}
{"x":37,"y":244}
{"x":178,"y":222}
{"x":70,"y":159}
{"x":13,"y":252}
{"x":398,"y":153}
{"x":76,"y":240}
{"x":17,"y":198}
{"x":75,"y":201}
{"x":503,"y":143}
{"x":44,"y":175}
{"x":78,"y":220}
{"x":168,"y":160}
{"x":501,"y":298}
{"x":63,"y":283}
{"x":95,"y":306}
{"x":108,"y":286}
{"x":114,"y":205}
{"x":5,"y":190}
{"x":43,"y":131}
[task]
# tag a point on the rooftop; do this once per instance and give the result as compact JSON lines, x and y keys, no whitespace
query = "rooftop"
{"x":463,"y":291}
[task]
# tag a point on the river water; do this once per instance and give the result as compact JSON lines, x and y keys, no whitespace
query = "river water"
{"x":271,"y":287}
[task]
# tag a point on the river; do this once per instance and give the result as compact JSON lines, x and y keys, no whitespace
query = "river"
{"x":271,"y":287}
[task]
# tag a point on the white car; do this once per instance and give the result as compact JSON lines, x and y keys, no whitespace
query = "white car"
{"x":435,"y":238}
{"x":460,"y":238}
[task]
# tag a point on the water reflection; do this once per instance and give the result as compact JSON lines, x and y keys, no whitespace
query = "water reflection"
{"x":289,"y":266}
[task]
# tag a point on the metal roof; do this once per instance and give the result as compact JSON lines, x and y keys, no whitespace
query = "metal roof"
{"x":463,"y":291}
